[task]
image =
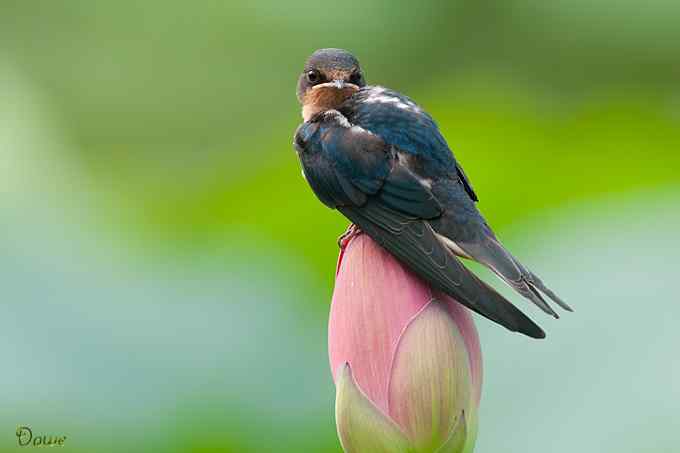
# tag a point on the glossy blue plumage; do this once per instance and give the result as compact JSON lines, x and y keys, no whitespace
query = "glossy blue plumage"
{"x":400,"y":122}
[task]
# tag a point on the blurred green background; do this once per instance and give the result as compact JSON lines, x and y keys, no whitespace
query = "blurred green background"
{"x":166,"y":273}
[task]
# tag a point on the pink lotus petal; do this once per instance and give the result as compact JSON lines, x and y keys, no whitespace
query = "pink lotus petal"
{"x":430,"y":383}
{"x":361,"y":426}
{"x":463,"y":319}
{"x":374,"y":298}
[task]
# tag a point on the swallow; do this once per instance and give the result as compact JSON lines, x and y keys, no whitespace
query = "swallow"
{"x":379,"y":159}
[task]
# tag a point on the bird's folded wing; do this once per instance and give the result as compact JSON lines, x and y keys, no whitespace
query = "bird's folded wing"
{"x":412,"y":241}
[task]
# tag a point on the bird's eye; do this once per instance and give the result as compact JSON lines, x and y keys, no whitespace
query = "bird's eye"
{"x":313,"y":76}
{"x":355,"y":78}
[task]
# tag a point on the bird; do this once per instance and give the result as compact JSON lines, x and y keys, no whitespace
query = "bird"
{"x":379,"y":159}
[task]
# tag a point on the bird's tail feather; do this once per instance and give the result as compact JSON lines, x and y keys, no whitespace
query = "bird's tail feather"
{"x":493,"y":255}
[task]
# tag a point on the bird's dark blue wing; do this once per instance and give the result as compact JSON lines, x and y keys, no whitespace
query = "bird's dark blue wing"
{"x":399,"y":121}
{"x":345,"y":165}
{"x":416,"y":244}
{"x":358,"y":173}
{"x":402,"y":123}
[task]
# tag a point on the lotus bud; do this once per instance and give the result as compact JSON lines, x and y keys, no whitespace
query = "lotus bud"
{"x":406,"y":359}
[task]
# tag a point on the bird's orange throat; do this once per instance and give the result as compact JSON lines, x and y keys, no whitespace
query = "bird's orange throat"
{"x":322,"y":98}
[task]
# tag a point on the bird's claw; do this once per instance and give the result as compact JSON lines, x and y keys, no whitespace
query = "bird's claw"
{"x":350,"y":233}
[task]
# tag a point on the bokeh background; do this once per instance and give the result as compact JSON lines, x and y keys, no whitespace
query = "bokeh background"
{"x":165,"y":272}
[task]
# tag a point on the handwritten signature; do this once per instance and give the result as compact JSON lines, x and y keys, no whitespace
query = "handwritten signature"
{"x":25,"y":437}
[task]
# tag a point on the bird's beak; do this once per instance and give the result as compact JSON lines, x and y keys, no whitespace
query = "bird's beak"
{"x":339,"y":84}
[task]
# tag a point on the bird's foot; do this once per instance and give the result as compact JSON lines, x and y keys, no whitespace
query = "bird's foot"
{"x":350,"y":233}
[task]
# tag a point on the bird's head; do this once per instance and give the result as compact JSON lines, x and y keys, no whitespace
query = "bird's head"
{"x":330,"y":77}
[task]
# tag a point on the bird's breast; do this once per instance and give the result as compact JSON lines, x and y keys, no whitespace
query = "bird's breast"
{"x":321,"y":99}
